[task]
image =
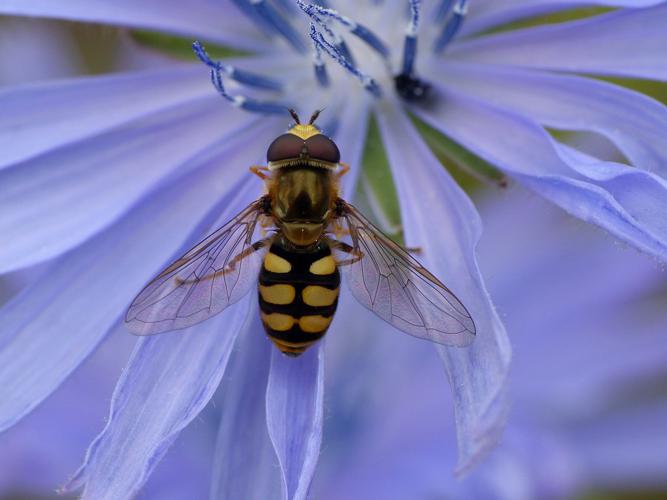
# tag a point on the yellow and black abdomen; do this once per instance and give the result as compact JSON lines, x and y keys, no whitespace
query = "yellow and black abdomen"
{"x":298,"y":295}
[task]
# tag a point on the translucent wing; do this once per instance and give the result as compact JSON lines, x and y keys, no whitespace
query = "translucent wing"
{"x":217,"y":272}
{"x":392,"y":284}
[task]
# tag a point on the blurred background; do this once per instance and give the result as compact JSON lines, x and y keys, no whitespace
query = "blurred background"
{"x":587,"y":317}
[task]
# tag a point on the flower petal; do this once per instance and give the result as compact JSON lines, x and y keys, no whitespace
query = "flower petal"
{"x":294,"y":413}
{"x":486,"y":13}
{"x":52,"y":326}
{"x":526,"y":151}
{"x":566,"y":271}
{"x":245,"y":464}
{"x":636,"y":123}
{"x":168,"y":381}
{"x":622,"y":43}
{"x":218,"y":21}
{"x":56,"y":435}
{"x":60,"y":199}
{"x":635,"y":457}
{"x":349,"y":134}
{"x":43,"y":116}
{"x":432,"y":201}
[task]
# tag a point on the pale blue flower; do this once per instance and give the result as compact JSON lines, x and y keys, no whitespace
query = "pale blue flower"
{"x":109,"y":178}
{"x":587,"y":323}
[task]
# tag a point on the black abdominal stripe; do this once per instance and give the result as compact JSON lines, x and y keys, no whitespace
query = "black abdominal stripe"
{"x":298,"y":295}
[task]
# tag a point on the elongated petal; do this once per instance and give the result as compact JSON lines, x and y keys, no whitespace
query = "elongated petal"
{"x":167,"y":382}
{"x":351,"y":124}
{"x":43,"y":116}
{"x":440,"y":219}
{"x":245,"y":463}
{"x":635,"y":123}
{"x":628,"y":43}
{"x":294,"y":413}
{"x":56,"y":201}
{"x":55,"y":436}
{"x":53,"y":325}
{"x":217,"y":21}
{"x":562,"y":268}
{"x":526,"y":151}
{"x":486,"y":13}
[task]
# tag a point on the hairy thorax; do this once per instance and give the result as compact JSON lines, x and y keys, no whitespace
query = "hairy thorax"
{"x":302,"y":202}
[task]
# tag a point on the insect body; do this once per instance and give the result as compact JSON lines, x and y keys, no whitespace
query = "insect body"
{"x":296,"y":268}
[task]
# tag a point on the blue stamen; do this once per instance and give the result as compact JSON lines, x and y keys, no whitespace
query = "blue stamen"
{"x":321,"y":74}
{"x":360,"y":31}
{"x":443,"y":10}
{"x":242,"y":76}
{"x":409,"y":53}
{"x":451,"y":27}
{"x":250,"y":12}
{"x":367,"y":82}
{"x":279,"y":24}
{"x":240,"y":101}
{"x":410,"y":45}
{"x":344,"y":50}
{"x":338,"y":41}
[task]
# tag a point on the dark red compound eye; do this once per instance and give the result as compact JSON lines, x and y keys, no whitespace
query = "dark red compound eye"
{"x":320,"y":147}
{"x":284,"y":147}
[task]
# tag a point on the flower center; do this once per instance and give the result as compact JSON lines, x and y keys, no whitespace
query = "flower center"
{"x":326,"y":25}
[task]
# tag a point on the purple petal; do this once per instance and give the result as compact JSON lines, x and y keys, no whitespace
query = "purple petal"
{"x":51,"y":327}
{"x":486,"y":13}
{"x":560,"y":267}
{"x":168,"y":381}
{"x":526,"y":151}
{"x":40,"y":117}
{"x":39,"y":453}
{"x":218,"y":21}
{"x":636,"y":123}
{"x":245,"y":464}
{"x":628,"y":43}
{"x":433,"y":204}
{"x":294,"y":397}
{"x":350,"y":131}
{"x":60,"y":199}
{"x":625,"y":448}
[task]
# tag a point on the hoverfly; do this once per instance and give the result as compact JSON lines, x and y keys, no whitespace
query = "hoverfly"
{"x":296,"y":268}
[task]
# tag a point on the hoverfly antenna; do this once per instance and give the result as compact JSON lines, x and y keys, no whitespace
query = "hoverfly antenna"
{"x":295,"y":116}
{"x":314,"y":117}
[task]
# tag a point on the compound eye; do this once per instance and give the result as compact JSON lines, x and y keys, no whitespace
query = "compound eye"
{"x":320,"y":147}
{"x":284,"y":147}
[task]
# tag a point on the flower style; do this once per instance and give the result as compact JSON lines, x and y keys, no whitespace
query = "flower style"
{"x":109,"y":178}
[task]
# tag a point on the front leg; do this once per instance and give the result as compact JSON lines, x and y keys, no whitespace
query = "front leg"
{"x":231,"y":265}
{"x":356,"y":254}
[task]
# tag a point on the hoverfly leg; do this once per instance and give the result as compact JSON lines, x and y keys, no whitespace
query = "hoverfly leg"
{"x":259,"y":170}
{"x":231,"y":266}
{"x":344,"y":169}
{"x":355,"y":253}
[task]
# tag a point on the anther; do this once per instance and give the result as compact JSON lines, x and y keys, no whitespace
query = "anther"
{"x":245,"y":77}
{"x":443,"y":10}
{"x":452,"y":26}
{"x":239,"y":101}
{"x":360,"y":31}
{"x":367,"y":82}
{"x":321,"y":74}
{"x":410,"y":45}
{"x":279,"y":24}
